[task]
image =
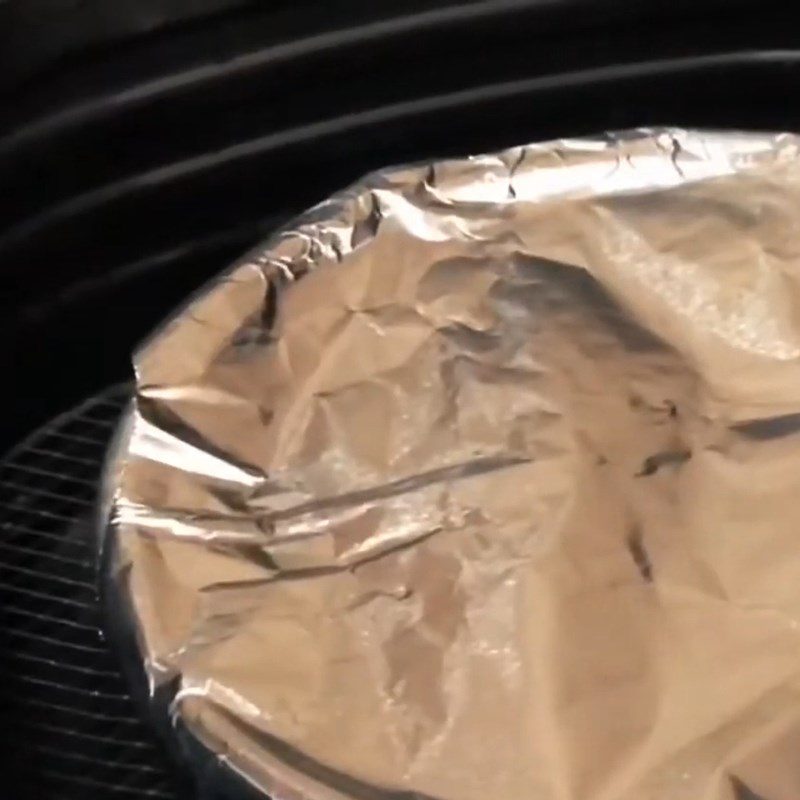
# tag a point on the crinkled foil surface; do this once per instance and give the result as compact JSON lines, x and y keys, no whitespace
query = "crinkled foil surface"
{"x":482,"y":482}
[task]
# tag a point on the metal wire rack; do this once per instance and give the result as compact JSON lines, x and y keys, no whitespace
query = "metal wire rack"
{"x":77,"y":731}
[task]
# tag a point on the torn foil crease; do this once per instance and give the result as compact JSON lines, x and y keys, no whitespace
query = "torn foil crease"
{"x":483,"y":481}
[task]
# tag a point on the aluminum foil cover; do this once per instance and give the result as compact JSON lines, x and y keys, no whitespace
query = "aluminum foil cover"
{"x":482,"y":482}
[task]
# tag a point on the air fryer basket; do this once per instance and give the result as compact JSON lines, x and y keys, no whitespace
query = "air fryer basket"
{"x":135,"y":167}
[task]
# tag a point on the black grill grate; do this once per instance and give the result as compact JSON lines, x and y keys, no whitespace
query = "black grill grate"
{"x":77,"y":730}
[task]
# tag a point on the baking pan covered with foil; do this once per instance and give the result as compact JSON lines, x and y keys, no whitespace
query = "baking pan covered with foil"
{"x":482,"y":480}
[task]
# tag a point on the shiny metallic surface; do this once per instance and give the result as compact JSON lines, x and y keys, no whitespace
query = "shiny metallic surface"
{"x":483,"y":481}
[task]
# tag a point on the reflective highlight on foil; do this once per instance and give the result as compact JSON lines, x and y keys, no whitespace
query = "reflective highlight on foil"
{"x":482,"y":480}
